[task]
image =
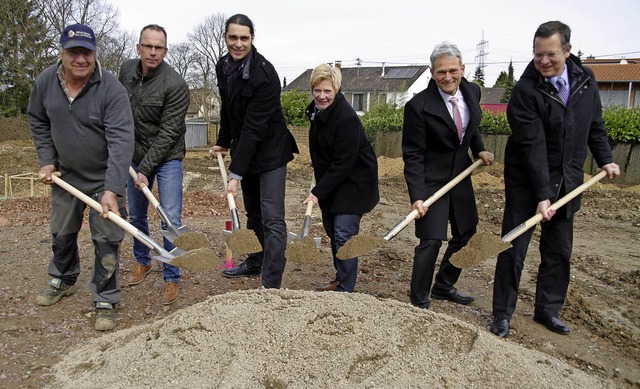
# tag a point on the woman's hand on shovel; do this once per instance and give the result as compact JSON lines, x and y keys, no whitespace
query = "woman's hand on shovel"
{"x":311,"y":197}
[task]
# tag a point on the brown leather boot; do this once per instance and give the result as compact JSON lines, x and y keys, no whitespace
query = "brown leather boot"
{"x":171,"y":293}
{"x":139,"y":273}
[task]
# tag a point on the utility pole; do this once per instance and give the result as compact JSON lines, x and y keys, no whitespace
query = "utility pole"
{"x":481,"y":55}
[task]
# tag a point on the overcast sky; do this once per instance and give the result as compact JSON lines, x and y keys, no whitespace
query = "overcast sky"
{"x":296,"y":35}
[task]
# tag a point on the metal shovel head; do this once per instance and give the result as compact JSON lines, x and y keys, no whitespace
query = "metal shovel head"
{"x":173,"y":234}
{"x":243,"y":241}
{"x":191,"y":241}
{"x":480,"y":247}
{"x":197,"y":260}
{"x":358,"y":245}
{"x":302,"y":251}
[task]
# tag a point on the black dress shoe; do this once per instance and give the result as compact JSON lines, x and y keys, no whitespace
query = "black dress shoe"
{"x":553,"y":323}
{"x":242,"y":270}
{"x":452,"y":295}
{"x":500,"y":327}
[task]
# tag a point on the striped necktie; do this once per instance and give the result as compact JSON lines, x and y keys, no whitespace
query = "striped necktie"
{"x":457,"y":119}
{"x":563,"y":89}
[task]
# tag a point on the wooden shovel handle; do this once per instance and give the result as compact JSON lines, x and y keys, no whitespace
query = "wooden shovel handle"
{"x":98,"y":207}
{"x":223,"y":171}
{"x":519,"y":230}
{"x":432,"y":199}
{"x":310,"y":203}
{"x":144,"y":188}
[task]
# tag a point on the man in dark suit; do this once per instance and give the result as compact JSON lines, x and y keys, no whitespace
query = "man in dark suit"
{"x":554,"y":113}
{"x":440,"y":125}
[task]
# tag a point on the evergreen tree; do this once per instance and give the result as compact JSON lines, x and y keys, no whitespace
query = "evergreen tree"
{"x":284,"y":82}
{"x":478,"y":76}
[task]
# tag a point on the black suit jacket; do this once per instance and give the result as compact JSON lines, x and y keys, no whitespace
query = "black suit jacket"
{"x":344,"y":163}
{"x":433,"y":156}
{"x":251,"y":118}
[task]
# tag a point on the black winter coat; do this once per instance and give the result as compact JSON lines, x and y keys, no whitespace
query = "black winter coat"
{"x":433,"y":156}
{"x":547,"y":148}
{"x":344,"y":163}
{"x":251,"y":120}
{"x":159,"y":102}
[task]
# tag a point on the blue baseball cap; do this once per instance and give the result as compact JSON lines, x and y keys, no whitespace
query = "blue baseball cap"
{"x":78,"y":35}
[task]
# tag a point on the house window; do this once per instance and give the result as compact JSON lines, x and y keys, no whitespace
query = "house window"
{"x":358,"y":100}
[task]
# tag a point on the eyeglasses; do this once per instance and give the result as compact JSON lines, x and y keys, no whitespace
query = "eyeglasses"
{"x":151,"y":47}
{"x":551,"y":55}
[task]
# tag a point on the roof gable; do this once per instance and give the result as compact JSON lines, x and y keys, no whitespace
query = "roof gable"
{"x":615,"y":72}
{"x":361,"y":78}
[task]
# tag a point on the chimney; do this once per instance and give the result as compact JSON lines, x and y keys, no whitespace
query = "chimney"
{"x":339,"y":64}
{"x":383,"y":70}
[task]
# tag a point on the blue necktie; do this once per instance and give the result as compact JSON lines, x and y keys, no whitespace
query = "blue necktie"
{"x":563,"y":89}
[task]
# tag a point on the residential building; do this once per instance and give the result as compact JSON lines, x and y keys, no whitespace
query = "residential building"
{"x":618,"y":80}
{"x":365,"y":87}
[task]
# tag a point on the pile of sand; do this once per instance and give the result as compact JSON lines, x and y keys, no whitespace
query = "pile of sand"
{"x":299,"y":339}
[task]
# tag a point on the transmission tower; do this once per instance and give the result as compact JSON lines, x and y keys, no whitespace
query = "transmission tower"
{"x":482,"y":53}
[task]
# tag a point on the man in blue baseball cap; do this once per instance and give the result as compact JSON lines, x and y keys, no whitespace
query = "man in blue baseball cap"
{"x":78,"y":35}
{"x":85,"y":133}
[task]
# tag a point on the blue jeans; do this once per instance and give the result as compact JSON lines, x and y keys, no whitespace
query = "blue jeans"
{"x":169,"y":176}
{"x":340,"y":227}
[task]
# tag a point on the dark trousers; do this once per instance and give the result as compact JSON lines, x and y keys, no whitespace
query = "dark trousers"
{"x":556,"y":242}
{"x":263,"y":196}
{"x":67,"y":213}
{"x":340,"y":227}
{"x":424,"y":262}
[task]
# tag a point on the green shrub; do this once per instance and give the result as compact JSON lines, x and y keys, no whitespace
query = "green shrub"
{"x":622,"y":124}
{"x":382,"y":118}
{"x":494,"y":123}
{"x":294,"y":103}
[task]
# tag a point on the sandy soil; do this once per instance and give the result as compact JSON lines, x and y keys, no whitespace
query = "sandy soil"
{"x":227,"y":333}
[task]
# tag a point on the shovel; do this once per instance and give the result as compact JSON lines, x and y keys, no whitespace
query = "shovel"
{"x":195,"y":260}
{"x":482,"y":246}
{"x":182,"y":236}
{"x":361,"y":244}
{"x":302,"y":248}
{"x":240,"y":241}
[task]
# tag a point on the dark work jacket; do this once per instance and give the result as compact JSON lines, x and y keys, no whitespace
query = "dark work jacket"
{"x":547,"y":148}
{"x":159,"y":102}
{"x":251,"y":120}
{"x":433,"y":156}
{"x":344,"y":164}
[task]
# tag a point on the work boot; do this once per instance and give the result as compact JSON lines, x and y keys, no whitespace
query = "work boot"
{"x":171,"y":293}
{"x":139,"y":273}
{"x":55,"y":290}
{"x":105,"y":316}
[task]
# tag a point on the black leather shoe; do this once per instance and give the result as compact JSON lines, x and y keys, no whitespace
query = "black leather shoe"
{"x":553,"y":323}
{"x":242,"y":270}
{"x":500,"y":327}
{"x":452,"y":295}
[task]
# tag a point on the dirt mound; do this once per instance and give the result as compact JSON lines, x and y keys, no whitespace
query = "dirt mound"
{"x":14,"y":129}
{"x":300,"y":339}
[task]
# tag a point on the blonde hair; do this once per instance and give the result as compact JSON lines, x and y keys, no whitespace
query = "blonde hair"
{"x":326,"y":72}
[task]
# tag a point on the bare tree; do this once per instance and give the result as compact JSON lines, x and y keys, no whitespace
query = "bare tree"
{"x":102,"y":17}
{"x":207,"y":41}
{"x":181,"y":57}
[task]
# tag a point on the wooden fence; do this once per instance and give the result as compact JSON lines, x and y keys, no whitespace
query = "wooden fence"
{"x":626,"y":155}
